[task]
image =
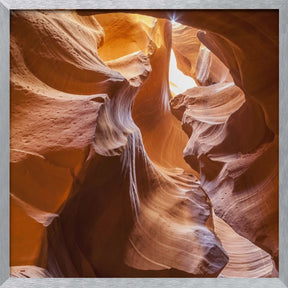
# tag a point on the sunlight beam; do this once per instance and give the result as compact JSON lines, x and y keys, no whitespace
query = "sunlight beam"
{"x":178,"y":81}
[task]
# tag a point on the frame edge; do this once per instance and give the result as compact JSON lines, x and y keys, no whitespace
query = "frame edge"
{"x":4,"y":156}
{"x":283,"y":149}
{"x":4,"y":141}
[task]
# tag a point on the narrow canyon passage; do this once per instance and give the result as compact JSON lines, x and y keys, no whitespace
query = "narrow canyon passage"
{"x":119,"y":164}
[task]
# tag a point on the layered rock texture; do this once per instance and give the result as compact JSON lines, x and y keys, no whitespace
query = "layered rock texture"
{"x":118,"y":170}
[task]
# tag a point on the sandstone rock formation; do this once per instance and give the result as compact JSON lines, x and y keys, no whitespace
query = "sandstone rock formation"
{"x":231,"y":163}
{"x":250,"y":133}
{"x":29,"y":272}
{"x":186,"y":47}
{"x":99,"y":184}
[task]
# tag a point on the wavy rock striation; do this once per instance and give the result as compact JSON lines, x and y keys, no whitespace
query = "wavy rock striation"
{"x":237,"y":163}
{"x":88,"y":92}
{"x":116,"y":197}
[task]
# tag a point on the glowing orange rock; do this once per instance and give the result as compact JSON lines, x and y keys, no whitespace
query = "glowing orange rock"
{"x":87,"y":199}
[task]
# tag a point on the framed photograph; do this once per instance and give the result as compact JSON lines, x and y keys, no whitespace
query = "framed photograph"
{"x":143,"y":143}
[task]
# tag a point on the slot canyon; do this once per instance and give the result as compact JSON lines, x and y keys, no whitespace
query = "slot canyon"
{"x":144,"y":143}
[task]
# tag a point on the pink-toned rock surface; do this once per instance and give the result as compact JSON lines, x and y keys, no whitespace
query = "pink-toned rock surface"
{"x":247,"y":42}
{"x":237,"y":163}
{"x":186,"y":46}
{"x":88,"y":92}
{"x":29,"y":272}
{"x":246,"y":260}
{"x":209,"y":69}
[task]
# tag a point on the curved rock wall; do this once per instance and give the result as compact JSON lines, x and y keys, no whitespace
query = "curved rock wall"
{"x":98,"y":203}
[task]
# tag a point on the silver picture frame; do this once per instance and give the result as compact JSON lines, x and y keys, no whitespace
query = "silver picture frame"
{"x":5,"y":7}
